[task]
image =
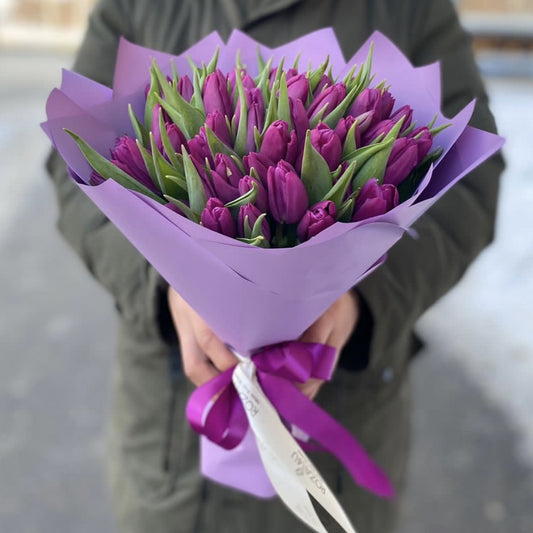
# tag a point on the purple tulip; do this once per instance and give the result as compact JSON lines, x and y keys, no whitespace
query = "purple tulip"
{"x":126,"y":156}
{"x":260,"y":162}
{"x":343,"y":127}
{"x":225,"y":165}
{"x":424,"y":140}
{"x":316,"y":219}
{"x":185,"y":88}
{"x":375,"y":199}
{"x":402,"y":160}
{"x":381,"y":102}
{"x":328,"y":144}
{"x":215,"y":94}
{"x":384,"y":126}
{"x":381,"y":128}
{"x":199,"y":148}
{"x":253,"y":213}
{"x":289,"y":74}
{"x":298,"y":87}
{"x":223,"y":189}
{"x":247,"y":81}
{"x":217,"y":123}
{"x":406,"y":112}
{"x":261,"y":201}
{"x":217,"y":217}
{"x":300,"y":120}
{"x":278,"y":143}
{"x":175,"y":135}
{"x":287,"y":197}
{"x":332,"y":96}
{"x":325,"y":81}
{"x":225,"y":177}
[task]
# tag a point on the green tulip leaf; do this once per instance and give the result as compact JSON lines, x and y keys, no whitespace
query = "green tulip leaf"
{"x":345,"y":212}
{"x":284,"y":110}
{"x":241,"y":134}
{"x":167,"y":144}
{"x":188,"y":119}
{"x":337,"y":193}
{"x":247,"y":198}
{"x":140,"y":131}
{"x":195,"y":187}
{"x":259,"y":241}
{"x":316,"y":175}
{"x":216,"y":145}
{"x":184,"y":208}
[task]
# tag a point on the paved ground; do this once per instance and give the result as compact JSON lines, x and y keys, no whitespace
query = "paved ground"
{"x":472,"y":468}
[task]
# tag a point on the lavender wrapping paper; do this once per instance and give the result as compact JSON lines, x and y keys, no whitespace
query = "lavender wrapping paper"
{"x":252,"y":297}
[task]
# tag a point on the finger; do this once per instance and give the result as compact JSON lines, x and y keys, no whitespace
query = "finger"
{"x":311,"y":387}
{"x":318,"y":332}
{"x":196,"y":366}
{"x":214,"y":349}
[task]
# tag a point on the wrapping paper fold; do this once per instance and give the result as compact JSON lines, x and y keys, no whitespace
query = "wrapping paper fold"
{"x":252,"y":297}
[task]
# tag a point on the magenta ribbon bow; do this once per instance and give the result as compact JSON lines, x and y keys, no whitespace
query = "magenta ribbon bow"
{"x":216,"y":411}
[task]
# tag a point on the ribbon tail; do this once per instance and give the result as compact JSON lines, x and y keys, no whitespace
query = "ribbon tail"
{"x":297,"y":409}
{"x":214,"y":410}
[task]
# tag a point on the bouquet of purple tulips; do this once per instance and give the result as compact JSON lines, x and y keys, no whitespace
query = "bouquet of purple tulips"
{"x":270,"y":160}
{"x":262,"y":193}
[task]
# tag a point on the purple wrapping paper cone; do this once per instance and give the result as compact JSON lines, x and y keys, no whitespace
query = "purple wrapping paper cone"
{"x":223,"y":279}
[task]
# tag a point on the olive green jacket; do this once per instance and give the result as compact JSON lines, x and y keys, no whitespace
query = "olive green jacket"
{"x":417,"y":272}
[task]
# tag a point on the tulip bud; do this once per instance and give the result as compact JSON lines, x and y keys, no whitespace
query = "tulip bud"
{"x":377,"y":100}
{"x":287,"y":197}
{"x":289,"y":74}
{"x":374,"y":200}
{"x":406,"y":112}
{"x":247,"y":81}
{"x":217,"y":123}
{"x":225,"y":165}
{"x":199,"y":148}
{"x":253,"y":213}
{"x":223,"y":189}
{"x":185,"y":88}
{"x":175,"y":135}
{"x":331,"y":96}
{"x":402,"y":160}
{"x":316,"y":219}
{"x":328,"y":144}
{"x":424,"y":140}
{"x":298,"y":87}
{"x":278,"y":143}
{"x":261,"y":200}
{"x":325,"y":81}
{"x":380,"y":128}
{"x":215,"y":94}
{"x":259,"y":162}
{"x":218,"y":218}
{"x":126,"y":156}
{"x":343,"y":127}
{"x":299,"y":119}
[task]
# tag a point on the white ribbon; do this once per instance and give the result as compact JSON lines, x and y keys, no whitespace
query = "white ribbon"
{"x":290,"y":471}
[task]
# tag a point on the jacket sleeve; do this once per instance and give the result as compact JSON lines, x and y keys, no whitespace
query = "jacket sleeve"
{"x":453,"y":232}
{"x":135,"y":286}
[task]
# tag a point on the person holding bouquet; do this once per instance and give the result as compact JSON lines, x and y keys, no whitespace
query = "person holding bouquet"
{"x":166,"y":349}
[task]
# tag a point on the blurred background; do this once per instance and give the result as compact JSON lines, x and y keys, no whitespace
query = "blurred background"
{"x":472,"y":462}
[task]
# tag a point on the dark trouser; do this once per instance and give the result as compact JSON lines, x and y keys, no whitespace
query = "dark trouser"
{"x":157,"y":487}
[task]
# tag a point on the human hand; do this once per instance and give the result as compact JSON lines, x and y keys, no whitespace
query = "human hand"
{"x":334,"y":327}
{"x":203,"y":354}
